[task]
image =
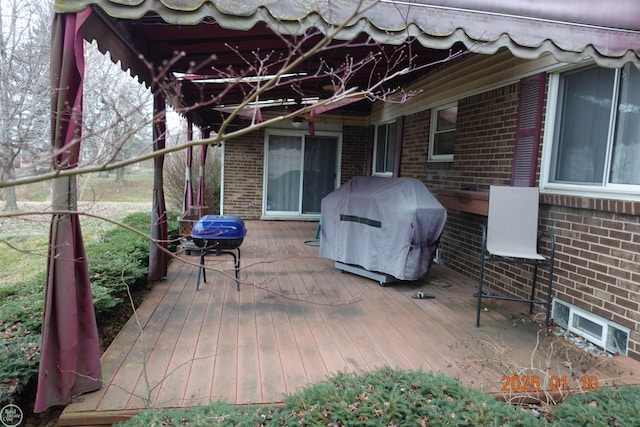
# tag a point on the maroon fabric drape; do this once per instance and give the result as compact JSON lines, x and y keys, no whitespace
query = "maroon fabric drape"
{"x":158,"y":257}
{"x":202,"y":200}
{"x":70,"y":349}
{"x":188,"y":185}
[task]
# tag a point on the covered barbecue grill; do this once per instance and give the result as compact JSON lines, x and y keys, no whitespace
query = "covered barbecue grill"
{"x":387,"y":226}
{"x":216,"y":235}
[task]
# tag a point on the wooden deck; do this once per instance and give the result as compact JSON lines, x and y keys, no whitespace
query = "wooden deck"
{"x":297,"y":320}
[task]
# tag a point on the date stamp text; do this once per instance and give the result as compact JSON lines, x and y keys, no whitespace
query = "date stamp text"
{"x":534,"y":383}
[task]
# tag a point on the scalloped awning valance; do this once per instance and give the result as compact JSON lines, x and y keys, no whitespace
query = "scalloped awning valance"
{"x":571,"y":30}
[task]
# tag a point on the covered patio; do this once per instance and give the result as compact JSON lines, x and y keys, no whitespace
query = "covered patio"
{"x":297,"y":320}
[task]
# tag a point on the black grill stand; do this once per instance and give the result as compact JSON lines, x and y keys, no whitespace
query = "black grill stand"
{"x":212,"y":251}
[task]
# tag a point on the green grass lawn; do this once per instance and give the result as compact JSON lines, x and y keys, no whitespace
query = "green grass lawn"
{"x":93,"y":187}
{"x":23,"y":259}
{"x":137,"y":187}
{"x":24,"y":239}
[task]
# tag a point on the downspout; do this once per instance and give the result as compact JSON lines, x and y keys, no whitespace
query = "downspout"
{"x":222,"y":178}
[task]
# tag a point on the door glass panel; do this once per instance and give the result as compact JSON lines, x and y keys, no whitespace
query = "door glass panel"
{"x":283,"y":176}
{"x":319,"y":179}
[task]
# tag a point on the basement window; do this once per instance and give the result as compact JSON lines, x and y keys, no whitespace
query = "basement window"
{"x":603,"y":333}
{"x":588,"y":327}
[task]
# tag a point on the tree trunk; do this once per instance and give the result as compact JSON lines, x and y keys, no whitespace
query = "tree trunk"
{"x":11,"y":202}
{"x":120,"y":175}
{"x":10,"y":199}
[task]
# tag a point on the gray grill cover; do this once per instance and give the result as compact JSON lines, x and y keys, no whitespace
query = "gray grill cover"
{"x":386,"y":225}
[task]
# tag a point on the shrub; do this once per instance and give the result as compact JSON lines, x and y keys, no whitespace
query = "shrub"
{"x":384,"y":397}
{"x":120,"y":259}
{"x":19,"y":358}
{"x":605,"y":407}
{"x":214,"y":414}
{"x":393,"y":397}
{"x":23,"y":307}
{"x":20,"y":325}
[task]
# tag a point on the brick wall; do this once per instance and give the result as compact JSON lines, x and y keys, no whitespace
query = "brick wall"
{"x":243,"y":173}
{"x":485,"y":137}
{"x":597,"y":264}
{"x":415,"y":145}
{"x":354,"y":144}
{"x":597,"y":257}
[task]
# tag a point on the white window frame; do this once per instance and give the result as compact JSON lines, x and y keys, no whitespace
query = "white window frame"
{"x":433,"y":131}
{"x":608,"y":190}
{"x":374,"y":172}
{"x":575,"y":313}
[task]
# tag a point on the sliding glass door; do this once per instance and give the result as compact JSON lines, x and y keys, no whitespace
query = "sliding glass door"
{"x":299,"y":171}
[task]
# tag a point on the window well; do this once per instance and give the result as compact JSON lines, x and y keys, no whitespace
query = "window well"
{"x":604,"y":333}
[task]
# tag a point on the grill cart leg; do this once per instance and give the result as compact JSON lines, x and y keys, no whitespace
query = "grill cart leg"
{"x":201,"y":269}
{"x":237,"y":262}
{"x":216,"y":252}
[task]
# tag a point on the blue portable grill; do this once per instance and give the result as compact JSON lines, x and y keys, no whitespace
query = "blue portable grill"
{"x":219,"y":234}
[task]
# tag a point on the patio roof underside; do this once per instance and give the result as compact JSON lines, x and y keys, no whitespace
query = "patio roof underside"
{"x":213,"y":37}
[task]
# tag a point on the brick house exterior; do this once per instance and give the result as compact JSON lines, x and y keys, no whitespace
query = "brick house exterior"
{"x":243,"y":168}
{"x":597,"y":239}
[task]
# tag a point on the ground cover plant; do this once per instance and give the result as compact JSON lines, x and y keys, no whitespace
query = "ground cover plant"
{"x":605,"y":407}
{"x":384,"y":397}
{"x":393,"y":397}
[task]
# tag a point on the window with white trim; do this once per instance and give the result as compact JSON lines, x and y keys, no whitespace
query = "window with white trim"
{"x":442,"y":136}
{"x":595,"y":138}
{"x":384,"y":150}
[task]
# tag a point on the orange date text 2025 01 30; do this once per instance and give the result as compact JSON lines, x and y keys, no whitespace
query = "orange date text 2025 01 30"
{"x":533,"y":383}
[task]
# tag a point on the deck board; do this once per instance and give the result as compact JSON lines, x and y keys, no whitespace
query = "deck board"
{"x":224,"y":384}
{"x":297,"y":320}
